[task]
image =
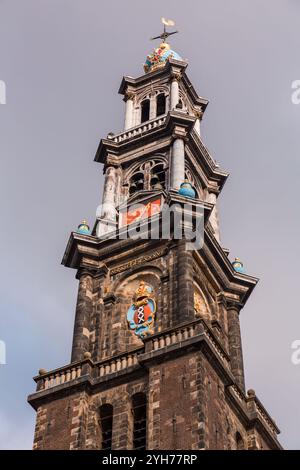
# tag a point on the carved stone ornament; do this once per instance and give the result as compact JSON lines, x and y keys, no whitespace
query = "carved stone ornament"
{"x":197,"y":303}
{"x":141,"y":314}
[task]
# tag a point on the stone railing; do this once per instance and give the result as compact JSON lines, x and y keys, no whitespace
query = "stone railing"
{"x":59,"y":376}
{"x":124,"y":361}
{"x":265,"y":418}
{"x":173,"y":337}
{"x":96,"y":370}
{"x":139,"y":130}
{"x":251,"y":402}
{"x":117,"y":363}
{"x":238,"y":394}
{"x":185,"y":332}
{"x":216,"y":345}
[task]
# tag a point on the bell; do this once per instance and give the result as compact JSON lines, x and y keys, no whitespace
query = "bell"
{"x":140,"y":184}
{"x":154,"y":179}
{"x":158,"y":185}
{"x":132,"y":188}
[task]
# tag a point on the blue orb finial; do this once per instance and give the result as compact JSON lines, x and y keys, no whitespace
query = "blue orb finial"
{"x":238,"y":266}
{"x":84,"y":228}
{"x":187,"y":190}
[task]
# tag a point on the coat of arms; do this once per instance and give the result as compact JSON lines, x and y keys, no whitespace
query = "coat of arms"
{"x":141,"y":314}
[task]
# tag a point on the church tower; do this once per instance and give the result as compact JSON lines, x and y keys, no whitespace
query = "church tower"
{"x":157,"y":357}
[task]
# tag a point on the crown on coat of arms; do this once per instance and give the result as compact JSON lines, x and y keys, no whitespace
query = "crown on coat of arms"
{"x":143,"y":292}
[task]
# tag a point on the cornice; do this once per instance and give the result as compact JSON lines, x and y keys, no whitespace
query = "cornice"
{"x":173,"y":67}
{"x":178,"y":65}
{"x":176,"y":122}
{"x":88,"y":251}
{"x":236,"y":287}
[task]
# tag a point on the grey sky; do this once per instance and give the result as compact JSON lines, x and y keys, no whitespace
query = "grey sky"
{"x":62,"y":61}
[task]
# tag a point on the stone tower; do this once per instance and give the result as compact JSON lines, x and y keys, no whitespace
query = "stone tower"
{"x":157,"y":357}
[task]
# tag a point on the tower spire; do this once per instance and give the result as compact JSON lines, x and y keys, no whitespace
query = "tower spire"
{"x":155,"y":309}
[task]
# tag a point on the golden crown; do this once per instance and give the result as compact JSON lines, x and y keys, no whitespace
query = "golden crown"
{"x":142,"y":291}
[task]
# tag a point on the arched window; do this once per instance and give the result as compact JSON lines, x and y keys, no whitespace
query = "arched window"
{"x":158,"y":176}
{"x":106,"y":422}
{"x":136,"y":182}
{"x":145,"y":110}
{"x":139,"y":411}
{"x":160,"y":104}
{"x":239,"y":442}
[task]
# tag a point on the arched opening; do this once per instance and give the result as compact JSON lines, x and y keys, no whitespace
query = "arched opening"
{"x":145,"y":110}
{"x":106,"y":423}
{"x":139,"y":410}
{"x":239,"y":442}
{"x":158,"y":176}
{"x":160,"y":104}
{"x":136,"y":182}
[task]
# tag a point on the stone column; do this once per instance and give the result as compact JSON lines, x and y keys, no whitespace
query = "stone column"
{"x":153,"y":107}
{"x":128,"y":110}
{"x":108,"y":208}
{"x":84,"y":308}
{"x":177,"y":164}
{"x":235,"y":344}
{"x":109,"y":192}
{"x":174,"y":91}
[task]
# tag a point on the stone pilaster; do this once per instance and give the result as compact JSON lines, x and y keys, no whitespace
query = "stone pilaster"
{"x":235,"y":343}
{"x":84,"y":308}
{"x":198,"y":402}
{"x":100,"y":280}
{"x":79,"y":422}
{"x":40,"y":426}
{"x":122,"y":423}
{"x":185,"y":287}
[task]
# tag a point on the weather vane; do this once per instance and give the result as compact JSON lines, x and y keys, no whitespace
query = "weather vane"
{"x":165,"y":34}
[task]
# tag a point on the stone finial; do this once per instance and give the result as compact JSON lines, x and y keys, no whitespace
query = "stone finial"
{"x":87,"y":355}
{"x":251,"y":393}
{"x":42,"y":371}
